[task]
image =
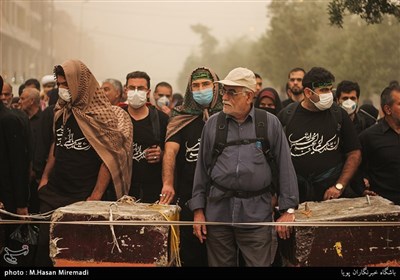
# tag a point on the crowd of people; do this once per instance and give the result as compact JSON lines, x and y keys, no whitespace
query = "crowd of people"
{"x":226,"y":151}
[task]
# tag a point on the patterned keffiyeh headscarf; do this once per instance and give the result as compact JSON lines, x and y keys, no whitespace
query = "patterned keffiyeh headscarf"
{"x":190,"y":109}
{"x":107,"y":128}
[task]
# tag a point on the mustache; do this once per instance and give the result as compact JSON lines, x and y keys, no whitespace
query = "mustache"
{"x":226,"y":103}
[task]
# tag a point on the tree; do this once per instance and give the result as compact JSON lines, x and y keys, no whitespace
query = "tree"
{"x":372,"y":11}
{"x":300,"y":35}
{"x":201,"y":56}
{"x":236,"y":52}
{"x":290,"y":40}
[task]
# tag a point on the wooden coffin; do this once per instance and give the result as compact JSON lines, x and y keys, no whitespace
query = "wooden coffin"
{"x":348,"y":246}
{"x":83,"y":244}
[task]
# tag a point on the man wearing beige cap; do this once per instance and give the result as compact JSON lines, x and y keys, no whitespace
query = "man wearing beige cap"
{"x":236,"y":188}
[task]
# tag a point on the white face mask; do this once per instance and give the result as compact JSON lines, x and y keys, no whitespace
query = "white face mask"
{"x":137,"y":98}
{"x":349,"y":105}
{"x":325,"y":101}
{"x":64,"y":94}
{"x":163,"y":101}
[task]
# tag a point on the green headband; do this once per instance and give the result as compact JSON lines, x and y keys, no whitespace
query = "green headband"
{"x":202,"y":74}
{"x":321,"y":84}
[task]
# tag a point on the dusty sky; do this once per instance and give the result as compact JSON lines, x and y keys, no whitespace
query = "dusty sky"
{"x":155,"y":36}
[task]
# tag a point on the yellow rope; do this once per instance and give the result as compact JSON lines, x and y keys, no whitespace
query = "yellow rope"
{"x":174,"y":238}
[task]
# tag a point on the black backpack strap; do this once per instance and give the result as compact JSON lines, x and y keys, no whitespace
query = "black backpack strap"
{"x":288,"y":113}
{"x":362,"y":121}
{"x":337,"y":116}
{"x":155,"y":123}
{"x":261,"y":121}
{"x":221,"y":133}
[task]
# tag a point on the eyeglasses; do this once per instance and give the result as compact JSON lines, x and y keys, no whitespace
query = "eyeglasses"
{"x":137,"y":88}
{"x":231,"y":92}
{"x":196,"y":85}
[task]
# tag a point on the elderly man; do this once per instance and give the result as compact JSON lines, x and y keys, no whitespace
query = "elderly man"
{"x":6,"y":95}
{"x":93,"y":145}
{"x":30,"y":103}
{"x":236,"y":188}
{"x":114,"y":91}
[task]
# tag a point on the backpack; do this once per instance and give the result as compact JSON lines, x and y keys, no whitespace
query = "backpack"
{"x":155,"y":123}
{"x":287,"y":115}
{"x":261,"y":141}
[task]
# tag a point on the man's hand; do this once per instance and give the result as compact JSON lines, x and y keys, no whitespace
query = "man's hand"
{"x":153,"y":154}
{"x":200,"y":230}
{"x":167,"y":194}
{"x":23,"y":211}
{"x":332,"y":193}
{"x":284,"y":231}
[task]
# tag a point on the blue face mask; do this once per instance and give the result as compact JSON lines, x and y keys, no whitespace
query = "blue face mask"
{"x":203,"y":97}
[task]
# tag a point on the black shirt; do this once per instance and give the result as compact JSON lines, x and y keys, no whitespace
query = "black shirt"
{"x":44,"y":139}
{"x":315,"y":143}
{"x":76,"y":162}
{"x":35,"y":124}
{"x":146,"y":177}
{"x":14,"y":160}
{"x":381,"y":159}
{"x":287,"y":102}
{"x":189,"y":140}
{"x":318,"y":145}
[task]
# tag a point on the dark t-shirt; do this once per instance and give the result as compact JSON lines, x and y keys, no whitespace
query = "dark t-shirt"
{"x":315,"y":143}
{"x":318,"y":145}
{"x":286,"y":102}
{"x":189,"y":140}
{"x":146,"y":177}
{"x":44,"y":140}
{"x":76,"y":162}
{"x":14,"y":160}
{"x":381,"y":160}
{"x":362,"y":122}
{"x":35,"y":130}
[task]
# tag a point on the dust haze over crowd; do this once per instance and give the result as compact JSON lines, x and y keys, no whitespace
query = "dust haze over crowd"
{"x":155,"y":36}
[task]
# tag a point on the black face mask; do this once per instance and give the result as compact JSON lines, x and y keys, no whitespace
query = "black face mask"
{"x":270,"y":110}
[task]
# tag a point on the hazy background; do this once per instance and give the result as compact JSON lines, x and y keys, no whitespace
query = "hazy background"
{"x":156,"y":37}
{"x":168,"y":39}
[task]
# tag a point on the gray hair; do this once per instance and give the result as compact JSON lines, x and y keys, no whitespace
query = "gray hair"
{"x":117,"y":84}
{"x":33,"y":94}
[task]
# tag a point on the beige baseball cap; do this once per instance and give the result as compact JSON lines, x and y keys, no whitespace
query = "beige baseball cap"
{"x":240,"y":77}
